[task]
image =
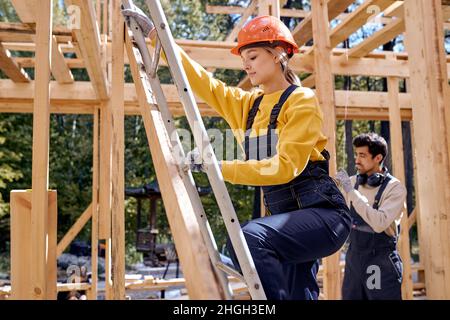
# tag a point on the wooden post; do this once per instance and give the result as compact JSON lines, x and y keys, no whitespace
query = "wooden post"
{"x":325,"y":95}
{"x":399,"y":172}
{"x":105,"y":18}
{"x":118,"y":146}
{"x":104,"y":191}
{"x":98,"y":14}
{"x":422,"y":243}
{"x":104,"y":218}
{"x":269,"y":7}
{"x":22,"y":263}
{"x":41,"y":129}
{"x":431,"y":118}
{"x":94,"y":220}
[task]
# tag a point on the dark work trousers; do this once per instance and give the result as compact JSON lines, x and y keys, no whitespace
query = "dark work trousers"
{"x":373,"y":268}
{"x":309,"y":220}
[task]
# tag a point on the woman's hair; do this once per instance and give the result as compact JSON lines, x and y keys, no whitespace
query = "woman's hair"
{"x":289,"y":74}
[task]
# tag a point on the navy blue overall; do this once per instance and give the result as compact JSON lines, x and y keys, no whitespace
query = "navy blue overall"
{"x":373,"y":268}
{"x":308,"y":220}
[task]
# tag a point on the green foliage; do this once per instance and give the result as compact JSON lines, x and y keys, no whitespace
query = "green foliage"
{"x":7,"y":173}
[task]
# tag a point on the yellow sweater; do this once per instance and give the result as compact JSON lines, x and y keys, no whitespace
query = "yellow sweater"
{"x":299,"y":126}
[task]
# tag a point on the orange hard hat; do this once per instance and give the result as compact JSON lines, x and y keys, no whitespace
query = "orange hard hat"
{"x":265,"y":29}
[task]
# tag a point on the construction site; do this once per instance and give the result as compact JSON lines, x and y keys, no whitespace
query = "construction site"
{"x":98,"y":39}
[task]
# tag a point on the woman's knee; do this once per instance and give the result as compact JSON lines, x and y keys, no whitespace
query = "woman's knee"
{"x":254,"y":235}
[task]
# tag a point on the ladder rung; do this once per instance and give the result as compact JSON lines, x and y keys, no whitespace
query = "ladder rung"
{"x":230,"y":271}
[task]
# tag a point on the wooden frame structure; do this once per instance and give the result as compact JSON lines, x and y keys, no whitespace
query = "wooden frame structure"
{"x":98,"y":42}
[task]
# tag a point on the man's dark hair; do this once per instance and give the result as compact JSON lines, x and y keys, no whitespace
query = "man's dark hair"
{"x":376,"y":144}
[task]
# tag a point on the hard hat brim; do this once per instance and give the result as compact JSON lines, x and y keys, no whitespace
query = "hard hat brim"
{"x":236,"y":50}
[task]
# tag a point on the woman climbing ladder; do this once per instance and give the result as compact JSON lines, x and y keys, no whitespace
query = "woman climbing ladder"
{"x":285,"y":154}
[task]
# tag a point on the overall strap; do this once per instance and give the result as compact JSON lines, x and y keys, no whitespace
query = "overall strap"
{"x":383,"y":186}
{"x":253,"y":111}
{"x":274,"y":115}
{"x":277,"y":108}
{"x":250,"y":120}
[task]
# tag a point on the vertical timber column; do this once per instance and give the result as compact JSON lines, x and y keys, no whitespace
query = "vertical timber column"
{"x":399,"y":172}
{"x":22,"y":265}
{"x":104,"y":191}
{"x":105,"y":17}
{"x":95,"y":207}
{"x":104,"y":218}
{"x":325,"y":94}
{"x":41,"y":128}
{"x":269,"y":7}
{"x":431,"y":118}
{"x":118,"y":167}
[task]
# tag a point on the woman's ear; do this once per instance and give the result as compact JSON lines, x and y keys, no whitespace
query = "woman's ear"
{"x":280,"y":55}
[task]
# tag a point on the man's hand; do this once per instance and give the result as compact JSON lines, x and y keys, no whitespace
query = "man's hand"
{"x":142,"y":20}
{"x":343,"y":178}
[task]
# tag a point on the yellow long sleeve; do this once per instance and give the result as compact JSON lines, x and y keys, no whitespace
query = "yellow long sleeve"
{"x":299,"y":127}
{"x":232,"y":103}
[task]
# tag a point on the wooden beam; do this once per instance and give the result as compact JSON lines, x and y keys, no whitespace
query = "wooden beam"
{"x":74,"y":230}
{"x":80,"y":98}
{"x":221,"y":58}
{"x":29,"y":62}
{"x":11,"y":68}
{"x":201,"y":281}
{"x":343,"y":112}
{"x":356,"y":19}
{"x":118,"y":153}
{"x":446,"y":12}
{"x":303,"y":31}
{"x":41,"y":129}
{"x":213,"y":9}
{"x":215,"y":54}
{"x":431,"y":105}
{"x":26,"y":10}
{"x":396,"y":9}
{"x":23,"y":46}
{"x":325,"y":95}
{"x":389,"y":32}
{"x":29,"y":29}
{"x":399,"y":172}
{"x":293,"y":13}
{"x":60,"y":70}
{"x":88,"y":39}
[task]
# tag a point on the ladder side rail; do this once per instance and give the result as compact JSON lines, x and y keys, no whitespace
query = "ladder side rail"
{"x":187,"y":177}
